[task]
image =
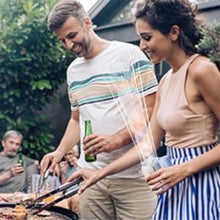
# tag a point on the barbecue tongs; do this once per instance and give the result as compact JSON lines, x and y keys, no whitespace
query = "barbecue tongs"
{"x":75,"y":184}
{"x":42,"y":180}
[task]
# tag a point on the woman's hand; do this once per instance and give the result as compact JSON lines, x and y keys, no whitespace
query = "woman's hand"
{"x":165,"y":178}
{"x":90,"y":177}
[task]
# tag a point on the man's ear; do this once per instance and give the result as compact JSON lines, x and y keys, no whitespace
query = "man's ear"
{"x":87,"y":23}
{"x":174,"y":32}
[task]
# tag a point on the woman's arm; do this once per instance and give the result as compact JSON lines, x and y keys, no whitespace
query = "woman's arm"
{"x":129,"y":159}
{"x":133,"y":156}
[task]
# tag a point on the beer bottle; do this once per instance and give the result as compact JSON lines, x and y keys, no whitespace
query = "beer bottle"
{"x":88,"y":131}
{"x":20,"y":159}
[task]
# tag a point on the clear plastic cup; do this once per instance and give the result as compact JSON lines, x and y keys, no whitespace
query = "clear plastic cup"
{"x":51,"y":183}
{"x":153,"y":163}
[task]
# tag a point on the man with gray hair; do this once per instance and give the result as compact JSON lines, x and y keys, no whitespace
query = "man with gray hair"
{"x":14,"y":176}
{"x":100,"y":64}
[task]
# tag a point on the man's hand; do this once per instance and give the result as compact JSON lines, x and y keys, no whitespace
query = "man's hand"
{"x":52,"y":158}
{"x":95,"y":144}
{"x":90,"y":177}
{"x":16,"y":170}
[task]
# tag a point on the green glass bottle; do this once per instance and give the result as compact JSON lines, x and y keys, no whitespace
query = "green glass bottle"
{"x":88,"y":131}
{"x":20,"y":159}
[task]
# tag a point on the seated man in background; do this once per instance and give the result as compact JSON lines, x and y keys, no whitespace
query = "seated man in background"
{"x":14,"y":176}
{"x":69,"y":165}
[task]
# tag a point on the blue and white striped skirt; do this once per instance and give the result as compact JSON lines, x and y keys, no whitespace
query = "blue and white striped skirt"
{"x":195,"y":198}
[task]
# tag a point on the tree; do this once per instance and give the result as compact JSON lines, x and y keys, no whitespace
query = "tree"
{"x":33,"y":66}
{"x":209,"y":44}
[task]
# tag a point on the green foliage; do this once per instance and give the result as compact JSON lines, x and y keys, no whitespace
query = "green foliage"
{"x":33,"y":66}
{"x":210,"y":43}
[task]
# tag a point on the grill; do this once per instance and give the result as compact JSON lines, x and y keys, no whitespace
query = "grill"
{"x":55,"y":211}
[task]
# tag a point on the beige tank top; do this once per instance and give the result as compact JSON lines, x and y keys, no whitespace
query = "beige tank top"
{"x":184,"y":127}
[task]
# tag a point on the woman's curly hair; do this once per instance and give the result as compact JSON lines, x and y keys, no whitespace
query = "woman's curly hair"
{"x":163,"y":14}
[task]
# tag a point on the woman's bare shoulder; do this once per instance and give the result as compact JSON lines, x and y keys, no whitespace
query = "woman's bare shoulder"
{"x":202,"y":68}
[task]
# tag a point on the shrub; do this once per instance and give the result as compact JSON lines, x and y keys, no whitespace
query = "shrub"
{"x":210,"y":43}
{"x":33,"y":66}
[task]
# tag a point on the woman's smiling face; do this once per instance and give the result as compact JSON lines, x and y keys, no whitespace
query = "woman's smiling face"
{"x":152,"y":42}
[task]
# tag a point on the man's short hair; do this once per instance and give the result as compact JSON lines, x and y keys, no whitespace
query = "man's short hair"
{"x":63,"y":10}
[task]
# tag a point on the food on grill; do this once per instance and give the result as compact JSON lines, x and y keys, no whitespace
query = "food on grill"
{"x":2,"y":199}
{"x":15,"y":198}
{"x":10,"y":211}
{"x":6,"y":213}
{"x":19,"y":212}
